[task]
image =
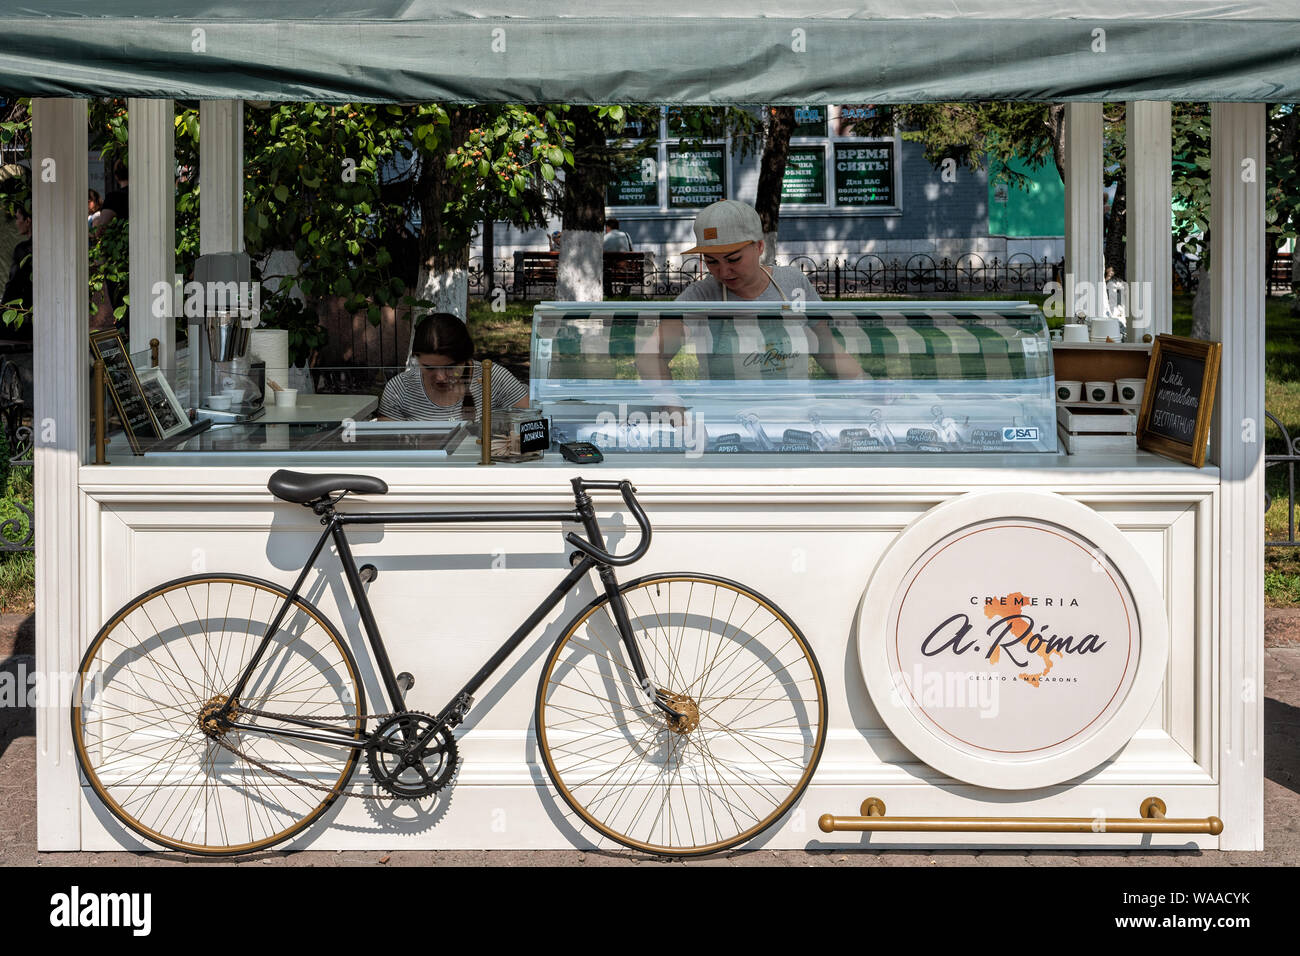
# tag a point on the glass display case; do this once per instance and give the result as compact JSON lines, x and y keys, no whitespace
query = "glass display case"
{"x":771,"y":377}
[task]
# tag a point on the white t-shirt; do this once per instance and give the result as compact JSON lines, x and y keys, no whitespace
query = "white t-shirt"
{"x":785,"y":280}
{"x":405,"y":398}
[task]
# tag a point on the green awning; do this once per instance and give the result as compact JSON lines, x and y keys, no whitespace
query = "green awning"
{"x":616,"y":51}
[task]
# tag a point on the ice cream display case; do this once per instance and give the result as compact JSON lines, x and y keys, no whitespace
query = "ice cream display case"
{"x":772,"y":377}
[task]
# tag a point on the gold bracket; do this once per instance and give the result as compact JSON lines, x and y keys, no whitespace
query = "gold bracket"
{"x":1152,"y":820}
{"x":485,"y":416}
{"x":101,"y":456}
{"x":153,"y":353}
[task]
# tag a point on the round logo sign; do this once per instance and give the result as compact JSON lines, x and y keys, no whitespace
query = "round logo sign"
{"x":1012,"y":640}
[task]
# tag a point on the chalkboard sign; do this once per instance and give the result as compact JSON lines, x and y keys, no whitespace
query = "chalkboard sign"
{"x":534,"y":435}
{"x":124,"y":386}
{"x":1179,"y":398}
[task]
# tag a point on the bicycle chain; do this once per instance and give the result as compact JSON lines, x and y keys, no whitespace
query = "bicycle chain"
{"x":295,"y":780}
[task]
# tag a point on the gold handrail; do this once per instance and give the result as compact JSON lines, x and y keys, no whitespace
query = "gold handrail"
{"x":101,"y":456}
{"x":485,"y":418}
{"x":1152,"y":820}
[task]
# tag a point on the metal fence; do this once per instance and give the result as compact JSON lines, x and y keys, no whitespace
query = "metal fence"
{"x":1287,"y":459}
{"x":18,"y":531}
{"x":833,"y":278}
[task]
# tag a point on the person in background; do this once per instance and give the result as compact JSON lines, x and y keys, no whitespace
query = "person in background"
{"x":616,"y":240}
{"x":117,"y":204}
{"x":93,"y":205}
{"x":18,"y":287}
{"x":554,"y":239}
{"x":446,"y":384}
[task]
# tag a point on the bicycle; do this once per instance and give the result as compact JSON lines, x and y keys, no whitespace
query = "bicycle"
{"x":678,"y":714}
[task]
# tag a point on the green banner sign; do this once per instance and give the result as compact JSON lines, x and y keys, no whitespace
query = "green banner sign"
{"x":864,"y":175}
{"x":805,"y":177}
{"x":697,"y":177}
{"x":638,"y":186}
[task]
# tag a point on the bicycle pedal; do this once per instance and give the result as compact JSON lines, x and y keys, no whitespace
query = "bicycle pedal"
{"x":405,"y":681}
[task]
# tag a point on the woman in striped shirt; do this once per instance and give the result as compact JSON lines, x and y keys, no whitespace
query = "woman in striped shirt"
{"x":446,"y":384}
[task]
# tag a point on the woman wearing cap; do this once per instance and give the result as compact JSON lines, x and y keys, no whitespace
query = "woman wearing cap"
{"x":729,"y":235}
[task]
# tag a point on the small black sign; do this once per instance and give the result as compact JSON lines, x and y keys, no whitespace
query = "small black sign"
{"x":534,"y":435}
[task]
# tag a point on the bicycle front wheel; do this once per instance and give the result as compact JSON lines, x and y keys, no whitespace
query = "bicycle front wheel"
{"x":753,"y":724}
{"x":144,"y":715}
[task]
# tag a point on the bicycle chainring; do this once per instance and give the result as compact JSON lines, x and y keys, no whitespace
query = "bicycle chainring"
{"x":404,"y":773}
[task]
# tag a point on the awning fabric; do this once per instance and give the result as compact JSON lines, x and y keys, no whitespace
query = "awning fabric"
{"x":655,"y":51}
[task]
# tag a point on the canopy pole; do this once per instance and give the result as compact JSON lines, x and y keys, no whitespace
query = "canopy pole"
{"x":152,"y":168}
{"x":1084,"y":239}
{"x":221,"y":166}
{"x":1237,"y":162}
{"x":1150,"y":300}
{"x":61,"y":366}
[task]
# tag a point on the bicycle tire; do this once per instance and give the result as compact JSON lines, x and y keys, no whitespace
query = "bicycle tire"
{"x":175,"y":649}
{"x":626,"y":772}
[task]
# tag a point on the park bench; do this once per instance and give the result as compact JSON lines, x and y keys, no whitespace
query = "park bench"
{"x":624,"y":271}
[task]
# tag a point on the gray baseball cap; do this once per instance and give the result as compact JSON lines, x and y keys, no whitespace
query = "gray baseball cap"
{"x":725,"y":227}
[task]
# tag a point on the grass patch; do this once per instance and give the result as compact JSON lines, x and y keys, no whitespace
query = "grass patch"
{"x":17,"y":568}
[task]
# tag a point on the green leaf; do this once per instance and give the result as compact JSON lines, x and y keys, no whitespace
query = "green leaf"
{"x":548,"y":172}
{"x":282,"y":193}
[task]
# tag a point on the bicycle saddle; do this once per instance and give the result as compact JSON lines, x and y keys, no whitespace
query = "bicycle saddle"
{"x":301,"y":488}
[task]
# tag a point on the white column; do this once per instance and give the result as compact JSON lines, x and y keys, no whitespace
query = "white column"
{"x":1237,"y":320}
{"x":1083,"y":204}
{"x":221,"y":176}
{"x":1150,"y":234}
{"x":62,"y":378}
{"x":152,"y":223}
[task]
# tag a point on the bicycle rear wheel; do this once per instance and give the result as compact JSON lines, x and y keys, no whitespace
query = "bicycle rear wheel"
{"x":754,"y":716}
{"x":148,"y":687}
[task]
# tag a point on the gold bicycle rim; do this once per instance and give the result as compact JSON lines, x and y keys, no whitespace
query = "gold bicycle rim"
{"x":774,"y":815}
{"x":128,"y":819}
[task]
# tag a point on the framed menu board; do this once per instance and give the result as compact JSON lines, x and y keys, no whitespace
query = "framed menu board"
{"x":1179,"y":398}
{"x":123,"y":384}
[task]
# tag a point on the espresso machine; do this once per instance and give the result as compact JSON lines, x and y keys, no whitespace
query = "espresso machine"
{"x":219,"y":338}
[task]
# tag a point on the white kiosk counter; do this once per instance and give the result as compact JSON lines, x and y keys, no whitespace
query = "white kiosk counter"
{"x":1003,"y":633}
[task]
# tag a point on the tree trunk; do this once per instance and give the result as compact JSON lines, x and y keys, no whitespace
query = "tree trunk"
{"x":771,"y":175}
{"x":1116,"y":251}
{"x":489,"y":255}
{"x":444,"y":256}
{"x":1295,"y":281}
{"x":1056,"y":129}
{"x":581,"y":269}
{"x":1201,"y":303}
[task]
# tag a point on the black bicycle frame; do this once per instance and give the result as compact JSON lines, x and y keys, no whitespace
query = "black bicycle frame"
{"x":335,"y":523}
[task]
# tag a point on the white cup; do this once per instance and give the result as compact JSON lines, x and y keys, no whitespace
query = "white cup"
{"x":236,"y":395}
{"x":286,"y":397}
{"x":1129,"y":390}
{"x":1076,"y":333}
{"x":218,"y":403}
{"x":1104,"y":329}
{"x":1099,"y":393}
{"x":1067,"y":391}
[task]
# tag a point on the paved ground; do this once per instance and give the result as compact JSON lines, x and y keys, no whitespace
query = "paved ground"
{"x":1281,"y":801}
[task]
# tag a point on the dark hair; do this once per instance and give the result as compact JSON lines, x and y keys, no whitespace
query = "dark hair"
{"x":441,"y":333}
{"x":95,"y":196}
{"x":119,"y":171}
{"x":612,"y":222}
